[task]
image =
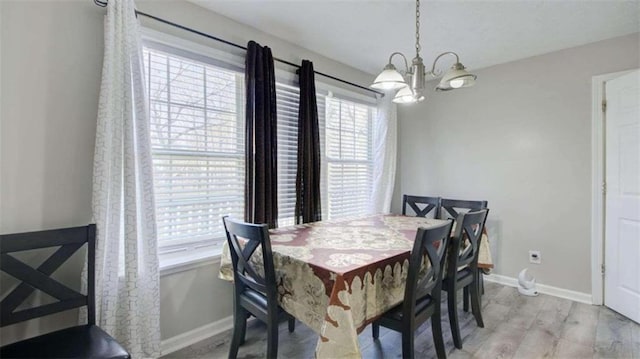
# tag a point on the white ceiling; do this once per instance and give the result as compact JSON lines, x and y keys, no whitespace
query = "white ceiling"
{"x":364,"y":33}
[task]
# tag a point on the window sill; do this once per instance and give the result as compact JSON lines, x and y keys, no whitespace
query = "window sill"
{"x":176,"y":263}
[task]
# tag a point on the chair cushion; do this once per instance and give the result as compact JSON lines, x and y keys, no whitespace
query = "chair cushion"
{"x":464,"y":275}
{"x":396,"y":312}
{"x":257,"y":299}
{"x":85,"y":341}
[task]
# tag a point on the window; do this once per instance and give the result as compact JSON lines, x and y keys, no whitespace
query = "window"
{"x":346,"y":145}
{"x":287,"y":98}
{"x":196,"y":108}
{"x":348,"y":157}
{"x":197,"y":137}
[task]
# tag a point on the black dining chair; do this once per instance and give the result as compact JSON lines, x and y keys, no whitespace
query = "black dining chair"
{"x":428,"y":204}
{"x":450,"y":209}
{"x":422,"y":292}
{"x":462,"y":268}
{"x":255,"y":289}
{"x":82,"y":341}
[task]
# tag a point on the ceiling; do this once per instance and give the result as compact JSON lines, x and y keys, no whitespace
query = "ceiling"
{"x":364,"y":33}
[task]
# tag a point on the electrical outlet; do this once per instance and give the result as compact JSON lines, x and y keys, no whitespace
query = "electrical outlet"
{"x":535,"y":257}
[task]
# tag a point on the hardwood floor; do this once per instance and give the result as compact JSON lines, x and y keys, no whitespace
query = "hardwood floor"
{"x":515,"y":327}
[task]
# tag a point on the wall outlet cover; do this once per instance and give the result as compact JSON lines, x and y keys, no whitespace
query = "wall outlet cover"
{"x":535,"y":257}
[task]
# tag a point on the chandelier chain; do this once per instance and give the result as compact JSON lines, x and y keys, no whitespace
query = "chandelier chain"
{"x":418,"y":48}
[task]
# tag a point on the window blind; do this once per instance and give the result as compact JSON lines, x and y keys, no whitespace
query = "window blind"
{"x":349,"y":157}
{"x":197,"y":136}
{"x":288,"y":102}
{"x":197,"y":132}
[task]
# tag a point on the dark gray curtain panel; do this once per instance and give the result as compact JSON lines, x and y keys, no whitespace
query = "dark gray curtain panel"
{"x":261,"y":177}
{"x":308,"y":204}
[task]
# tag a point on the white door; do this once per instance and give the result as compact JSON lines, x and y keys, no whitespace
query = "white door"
{"x":622,"y":212}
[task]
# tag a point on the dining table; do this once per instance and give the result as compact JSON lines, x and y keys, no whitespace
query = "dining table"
{"x":337,"y":276}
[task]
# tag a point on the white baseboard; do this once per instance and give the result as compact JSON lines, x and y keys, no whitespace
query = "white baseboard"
{"x":543,"y":288}
{"x":183,"y":340}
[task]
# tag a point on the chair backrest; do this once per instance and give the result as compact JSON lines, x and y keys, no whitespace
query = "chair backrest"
{"x":247,"y":273}
{"x":415,"y":203}
{"x":69,"y":240}
{"x":450,"y":208}
{"x":429,"y":248}
{"x":465,"y":243}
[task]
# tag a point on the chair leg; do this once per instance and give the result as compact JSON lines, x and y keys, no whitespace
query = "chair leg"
{"x":453,"y":317}
{"x":436,"y":329}
{"x":292,"y":324}
{"x":272,"y":338}
{"x":239,"y":328}
{"x":465,"y":299}
{"x":476,"y":304}
{"x":244,"y":328}
{"x":480,"y":286}
{"x":407,"y":344}
{"x":375,"y":330}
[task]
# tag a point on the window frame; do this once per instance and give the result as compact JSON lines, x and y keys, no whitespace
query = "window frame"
{"x":182,"y":254}
{"x":191,"y":254}
{"x":327,"y":160}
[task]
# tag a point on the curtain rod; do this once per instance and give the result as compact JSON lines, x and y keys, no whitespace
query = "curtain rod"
{"x":200,"y":33}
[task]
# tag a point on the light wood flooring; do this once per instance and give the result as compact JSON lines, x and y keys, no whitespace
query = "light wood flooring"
{"x":515,"y":327}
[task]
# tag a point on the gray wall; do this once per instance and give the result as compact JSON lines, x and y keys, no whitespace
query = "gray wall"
{"x":50,"y":65}
{"x":50,"y":72}
{"x":51,"y":60}
{"x":521,"y":139}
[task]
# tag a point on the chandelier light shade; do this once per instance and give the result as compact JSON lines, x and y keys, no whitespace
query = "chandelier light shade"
{"x":456,"y":77}
{"x":406,"y":95}
{"x":412,"y":90}
{"x":389,"y":79}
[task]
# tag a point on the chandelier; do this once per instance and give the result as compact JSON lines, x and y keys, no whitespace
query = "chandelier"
{"x":411,"y":82}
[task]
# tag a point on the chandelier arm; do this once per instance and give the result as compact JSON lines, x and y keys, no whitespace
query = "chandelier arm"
{"x":406,"y":64}
{"x":439,"y":72}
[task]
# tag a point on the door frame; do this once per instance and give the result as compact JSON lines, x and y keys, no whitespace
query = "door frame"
{"x":597,"y":182}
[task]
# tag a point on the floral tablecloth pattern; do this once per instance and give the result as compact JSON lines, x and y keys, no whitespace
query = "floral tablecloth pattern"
{"x":338,"y":276}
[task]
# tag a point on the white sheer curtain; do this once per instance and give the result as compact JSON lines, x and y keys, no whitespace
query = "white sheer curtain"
{"x":127,"y":280}
{"x":384,"y":155}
